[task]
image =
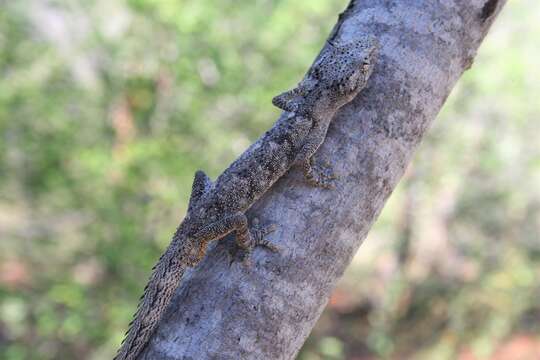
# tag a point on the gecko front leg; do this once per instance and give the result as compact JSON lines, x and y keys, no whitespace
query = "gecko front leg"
{"x":285,"y":101}
{"x":315,"y":174}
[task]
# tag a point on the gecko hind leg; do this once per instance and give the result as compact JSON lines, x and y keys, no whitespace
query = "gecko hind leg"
{"x":246,"y":239}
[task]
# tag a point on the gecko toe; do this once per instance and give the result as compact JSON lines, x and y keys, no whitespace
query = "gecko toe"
{"x":246,"y":261}
{"x":267,"y":244}
{"x":259,"y":234}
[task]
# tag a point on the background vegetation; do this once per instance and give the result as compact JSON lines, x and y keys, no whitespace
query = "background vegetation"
{"x":107,"y":108}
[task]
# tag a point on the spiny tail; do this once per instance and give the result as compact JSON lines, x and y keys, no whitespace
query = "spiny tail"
{"x":157,"y":295}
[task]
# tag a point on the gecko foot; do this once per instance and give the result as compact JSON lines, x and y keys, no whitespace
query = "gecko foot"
{"x":321,"y":175}
{"x":258,"y":234}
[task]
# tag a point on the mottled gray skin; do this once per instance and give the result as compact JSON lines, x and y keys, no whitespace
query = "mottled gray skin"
{"x":217,"y":209}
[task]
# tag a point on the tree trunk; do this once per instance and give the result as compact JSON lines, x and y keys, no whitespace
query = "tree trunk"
{"x":268,"y":310}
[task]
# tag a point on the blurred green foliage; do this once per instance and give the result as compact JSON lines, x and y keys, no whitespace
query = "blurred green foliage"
{"x":107,"y":108}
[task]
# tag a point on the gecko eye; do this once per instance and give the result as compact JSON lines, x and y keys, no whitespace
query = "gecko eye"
{"x":365,"y":66}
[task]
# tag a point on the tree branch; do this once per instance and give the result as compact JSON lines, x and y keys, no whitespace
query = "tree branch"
{"x":267,"y":311}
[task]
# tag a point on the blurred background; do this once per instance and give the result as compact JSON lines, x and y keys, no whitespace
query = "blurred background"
{"x":107,"y":108}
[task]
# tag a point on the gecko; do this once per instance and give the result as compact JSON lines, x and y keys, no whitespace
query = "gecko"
{"x":217,"y":208}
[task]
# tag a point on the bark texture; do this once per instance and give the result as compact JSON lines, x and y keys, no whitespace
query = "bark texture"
{"x":267,"y":311}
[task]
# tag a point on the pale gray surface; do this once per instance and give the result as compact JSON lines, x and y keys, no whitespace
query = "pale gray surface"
{"x":266,"y":312}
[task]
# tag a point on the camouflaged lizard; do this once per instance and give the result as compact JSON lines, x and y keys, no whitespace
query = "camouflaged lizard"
{"x":218,"y":208}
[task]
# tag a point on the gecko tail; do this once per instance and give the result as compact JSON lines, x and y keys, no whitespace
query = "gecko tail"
{"x":152,"y":305}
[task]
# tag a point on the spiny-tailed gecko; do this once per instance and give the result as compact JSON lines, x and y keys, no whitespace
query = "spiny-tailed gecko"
{"x":218,"y":208}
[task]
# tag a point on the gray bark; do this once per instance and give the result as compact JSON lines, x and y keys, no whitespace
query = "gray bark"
{"x":267,"y":311}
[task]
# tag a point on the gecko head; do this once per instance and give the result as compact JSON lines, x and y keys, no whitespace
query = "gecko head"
{"x":353,"y":66}
{"x":340,"y":72}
